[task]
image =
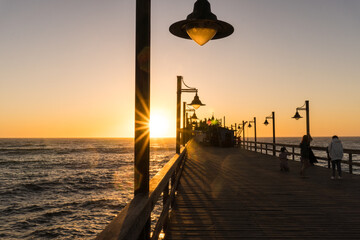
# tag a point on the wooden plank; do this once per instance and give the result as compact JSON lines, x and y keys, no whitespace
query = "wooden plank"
{"x":231,"y":193}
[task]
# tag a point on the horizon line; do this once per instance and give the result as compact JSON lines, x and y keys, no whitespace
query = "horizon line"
{"x":152,"y":137}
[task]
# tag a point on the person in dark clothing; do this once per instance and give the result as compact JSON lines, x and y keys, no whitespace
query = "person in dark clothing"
{"x":305,"y":153}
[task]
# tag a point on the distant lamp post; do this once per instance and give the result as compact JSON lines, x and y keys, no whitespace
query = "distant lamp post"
{"x":266,"y":123}
{"x":185,"y":122}
{"x":194,"y":122}
{"x":297,"y":116}
{"x":243,"y":128}
{"x":196,"y":101}
{"x":194,"y":117}
{"x":254,"y":131}
{"x":201,"y":25}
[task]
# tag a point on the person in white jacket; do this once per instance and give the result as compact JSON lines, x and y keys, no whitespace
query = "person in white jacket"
{"x":335,"y":149}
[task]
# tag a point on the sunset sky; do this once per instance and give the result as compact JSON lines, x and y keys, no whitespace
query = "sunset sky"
{"x":67,"y":67}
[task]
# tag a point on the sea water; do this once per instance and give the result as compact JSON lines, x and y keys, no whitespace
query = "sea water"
{"x":68,"y":188}
{"x":72,"y":188}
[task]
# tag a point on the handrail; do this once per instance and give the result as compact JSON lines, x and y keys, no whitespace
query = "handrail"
{"x":250,"y":145}
{"x":131,"y":220}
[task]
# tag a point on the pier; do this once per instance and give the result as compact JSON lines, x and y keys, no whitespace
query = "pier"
{"x":232,"y":193}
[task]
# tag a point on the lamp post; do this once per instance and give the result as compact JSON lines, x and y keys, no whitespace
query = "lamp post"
{"x":142,"y":97}
{"x":193,"y":120}
{"x":185,"y":121}
{"x":243,"y":128}
{"x":196,"y":103}
{"x":266,"y":123}
{"x":142,"y":105}
{"x":197,"y":21}
{"x":297,"y":116}
{"x":254,"y":130}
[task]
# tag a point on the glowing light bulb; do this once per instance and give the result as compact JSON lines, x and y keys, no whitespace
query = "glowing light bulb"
{"x":201,"y":35}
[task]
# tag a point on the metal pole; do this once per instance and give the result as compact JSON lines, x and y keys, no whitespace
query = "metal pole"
{"x":274,"y":147}
{"x":255,"y":140}
{"x":187,"y":126}
{"x":244,"y":133}
{"x":307,"y":118}
{"x":183,"y":126}
{"x":142,"y":104}
{"x":178,"y":110}
{"x":235,"y":133}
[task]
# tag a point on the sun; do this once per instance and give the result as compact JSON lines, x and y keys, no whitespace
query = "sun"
{"x":159,"y":125}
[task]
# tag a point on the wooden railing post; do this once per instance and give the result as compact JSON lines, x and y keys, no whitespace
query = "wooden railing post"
{"x":293,"y":153}
{"x":266,"y":150}
{"x":172,"y":186}
{"x":165,"y":199}
{"x":350,"y":163}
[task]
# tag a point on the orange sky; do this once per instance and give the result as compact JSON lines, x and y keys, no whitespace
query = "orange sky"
{"x":67,"y":69}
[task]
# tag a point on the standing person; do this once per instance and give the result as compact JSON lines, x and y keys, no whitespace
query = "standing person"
{"x":305,"y":153}
{"x":283,"y":160}
{"x":336,"y":153}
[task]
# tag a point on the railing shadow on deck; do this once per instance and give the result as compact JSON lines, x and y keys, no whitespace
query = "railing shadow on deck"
{"x":272,"y":149}
{"x":132,"y":219}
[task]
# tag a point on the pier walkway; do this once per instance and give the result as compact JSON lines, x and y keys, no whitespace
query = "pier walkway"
{"x":234,"y":193}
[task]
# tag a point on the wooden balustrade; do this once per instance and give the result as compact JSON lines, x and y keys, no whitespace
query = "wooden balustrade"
{"x":131,"y":220}
{"x":266,"y":147}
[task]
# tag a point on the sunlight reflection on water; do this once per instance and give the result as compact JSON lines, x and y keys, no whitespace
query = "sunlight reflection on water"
{"x":67,"y":188}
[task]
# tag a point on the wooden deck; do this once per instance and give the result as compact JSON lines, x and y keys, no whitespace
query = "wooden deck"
{"x":233,"y":193}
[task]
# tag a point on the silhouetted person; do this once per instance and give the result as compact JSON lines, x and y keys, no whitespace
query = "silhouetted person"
{"x":283,"y":160}
{"x":336,"y":153}
{"x":305,"y":153}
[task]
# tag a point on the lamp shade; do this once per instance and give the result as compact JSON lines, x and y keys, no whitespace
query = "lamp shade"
{"x":297,"y":116}
{"x":194,"y":117}
{"x":196,"y":103}
{"x":266,"y":122}
{"x":201,"y":25}
{"x":249,"y":125}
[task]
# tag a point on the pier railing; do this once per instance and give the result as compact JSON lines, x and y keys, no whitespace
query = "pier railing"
{"x":294,"y":150}
{"x":132,"y":221}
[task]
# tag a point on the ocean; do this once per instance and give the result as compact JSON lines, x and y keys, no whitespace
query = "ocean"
{"x":72,"y":188}
{"x":68,"y":188}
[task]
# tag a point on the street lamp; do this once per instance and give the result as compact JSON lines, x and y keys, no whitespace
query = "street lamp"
{"x":194,"y":117}
{"x":243,"y":128}
{"x":266,"y":123}
{"x":185,"y":122}
{"x":297,"y":116}
{"x":142,"y":93}
{"x":201,"y":25}
{"x":254,"y":130}
{"x":196,"y":103}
